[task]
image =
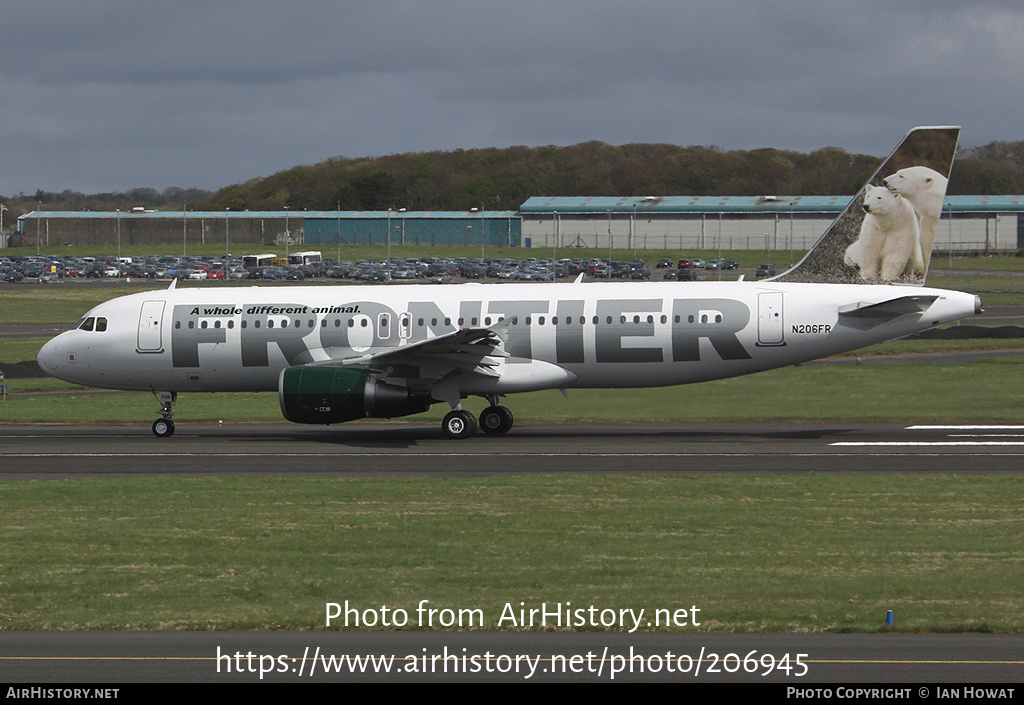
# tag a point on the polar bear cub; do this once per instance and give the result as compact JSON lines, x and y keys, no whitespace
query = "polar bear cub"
{"x":926,"y":190}
{"x":889,"y":244}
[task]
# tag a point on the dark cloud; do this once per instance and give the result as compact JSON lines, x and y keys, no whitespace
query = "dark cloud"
{"x":114,"y":95}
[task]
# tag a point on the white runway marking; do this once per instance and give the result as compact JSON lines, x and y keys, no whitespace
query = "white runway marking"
{"x":927,"y":443}
{"x":956,"y":427}
{"x":965,"y":428}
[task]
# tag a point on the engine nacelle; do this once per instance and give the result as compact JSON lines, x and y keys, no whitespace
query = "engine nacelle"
{"x":325,"y":395}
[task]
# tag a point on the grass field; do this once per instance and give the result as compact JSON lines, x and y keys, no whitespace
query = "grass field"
{"x":794,"y":553}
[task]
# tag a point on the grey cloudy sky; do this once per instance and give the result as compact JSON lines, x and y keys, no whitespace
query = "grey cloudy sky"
{"x":111,"y":95}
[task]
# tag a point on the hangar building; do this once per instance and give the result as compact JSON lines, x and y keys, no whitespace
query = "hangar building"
{"x":970,"y":223}
{"x":745,"y":222}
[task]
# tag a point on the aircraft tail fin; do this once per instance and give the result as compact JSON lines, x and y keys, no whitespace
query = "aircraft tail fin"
{"x":885,"y":234}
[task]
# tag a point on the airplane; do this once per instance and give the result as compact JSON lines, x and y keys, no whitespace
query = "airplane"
{"x":336,"y":354}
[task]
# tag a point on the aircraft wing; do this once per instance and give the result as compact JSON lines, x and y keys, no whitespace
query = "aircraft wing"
{"x":468,"y":350}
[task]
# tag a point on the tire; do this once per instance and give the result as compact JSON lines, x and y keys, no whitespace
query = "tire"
{"x":458,"y":425}
{"x":495,"y":420}
{"x":163,"y":428}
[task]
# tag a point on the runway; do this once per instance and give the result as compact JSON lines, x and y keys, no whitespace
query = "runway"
{"x":35,"y":452}
{"x":296,"y":657}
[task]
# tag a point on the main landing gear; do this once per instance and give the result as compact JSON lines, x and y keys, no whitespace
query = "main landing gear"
{"x":164,"y":427}
{"x":494,"y":420}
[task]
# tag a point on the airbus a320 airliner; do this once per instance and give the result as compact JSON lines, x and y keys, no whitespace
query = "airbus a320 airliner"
{"x":336,"y":354}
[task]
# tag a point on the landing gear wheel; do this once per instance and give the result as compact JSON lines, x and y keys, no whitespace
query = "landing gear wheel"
{"x":163,"y":428}
{"x":458,"y":425}
{"x":496,"y":420}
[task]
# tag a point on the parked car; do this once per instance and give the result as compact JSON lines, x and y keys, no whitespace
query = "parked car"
{"x":765,"y":270}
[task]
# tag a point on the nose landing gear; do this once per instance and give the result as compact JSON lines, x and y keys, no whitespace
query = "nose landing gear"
{"x":164,"y":427}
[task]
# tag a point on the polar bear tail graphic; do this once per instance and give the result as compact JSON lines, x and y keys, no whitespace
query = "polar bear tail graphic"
{"x":885,"y":234}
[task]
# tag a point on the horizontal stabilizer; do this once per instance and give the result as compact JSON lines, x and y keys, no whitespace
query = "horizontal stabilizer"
{"x":889,"y":309}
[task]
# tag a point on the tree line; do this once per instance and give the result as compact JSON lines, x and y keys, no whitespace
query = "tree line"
{"x":502,"y":179}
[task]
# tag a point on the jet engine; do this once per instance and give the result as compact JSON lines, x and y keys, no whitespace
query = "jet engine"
{"x":325,"y":395}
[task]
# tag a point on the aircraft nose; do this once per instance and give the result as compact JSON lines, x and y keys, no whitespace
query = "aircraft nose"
{"x":49,"y":357}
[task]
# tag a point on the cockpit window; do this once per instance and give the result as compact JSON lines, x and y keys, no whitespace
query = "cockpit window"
{"x":93,"y":324}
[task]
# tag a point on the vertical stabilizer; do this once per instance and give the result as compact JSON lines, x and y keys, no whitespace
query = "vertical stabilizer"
{"x":885,"y":234}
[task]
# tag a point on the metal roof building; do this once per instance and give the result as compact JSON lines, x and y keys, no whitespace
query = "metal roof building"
{"x":675,"y":222}
{"x":745,"y":222}
{"x":58,"y":228}
{"x":465,"y":228}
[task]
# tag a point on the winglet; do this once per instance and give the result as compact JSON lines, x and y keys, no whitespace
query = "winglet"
{"x":885,"y":234}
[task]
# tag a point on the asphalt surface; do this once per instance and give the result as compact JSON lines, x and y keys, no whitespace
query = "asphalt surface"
{"x":419,"y":450}
{"x":917,"y":660}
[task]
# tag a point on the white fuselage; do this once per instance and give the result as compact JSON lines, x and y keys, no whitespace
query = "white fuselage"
{"x":600,"y":334}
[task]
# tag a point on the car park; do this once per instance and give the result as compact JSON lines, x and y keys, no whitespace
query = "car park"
{"x":455,"y":269}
